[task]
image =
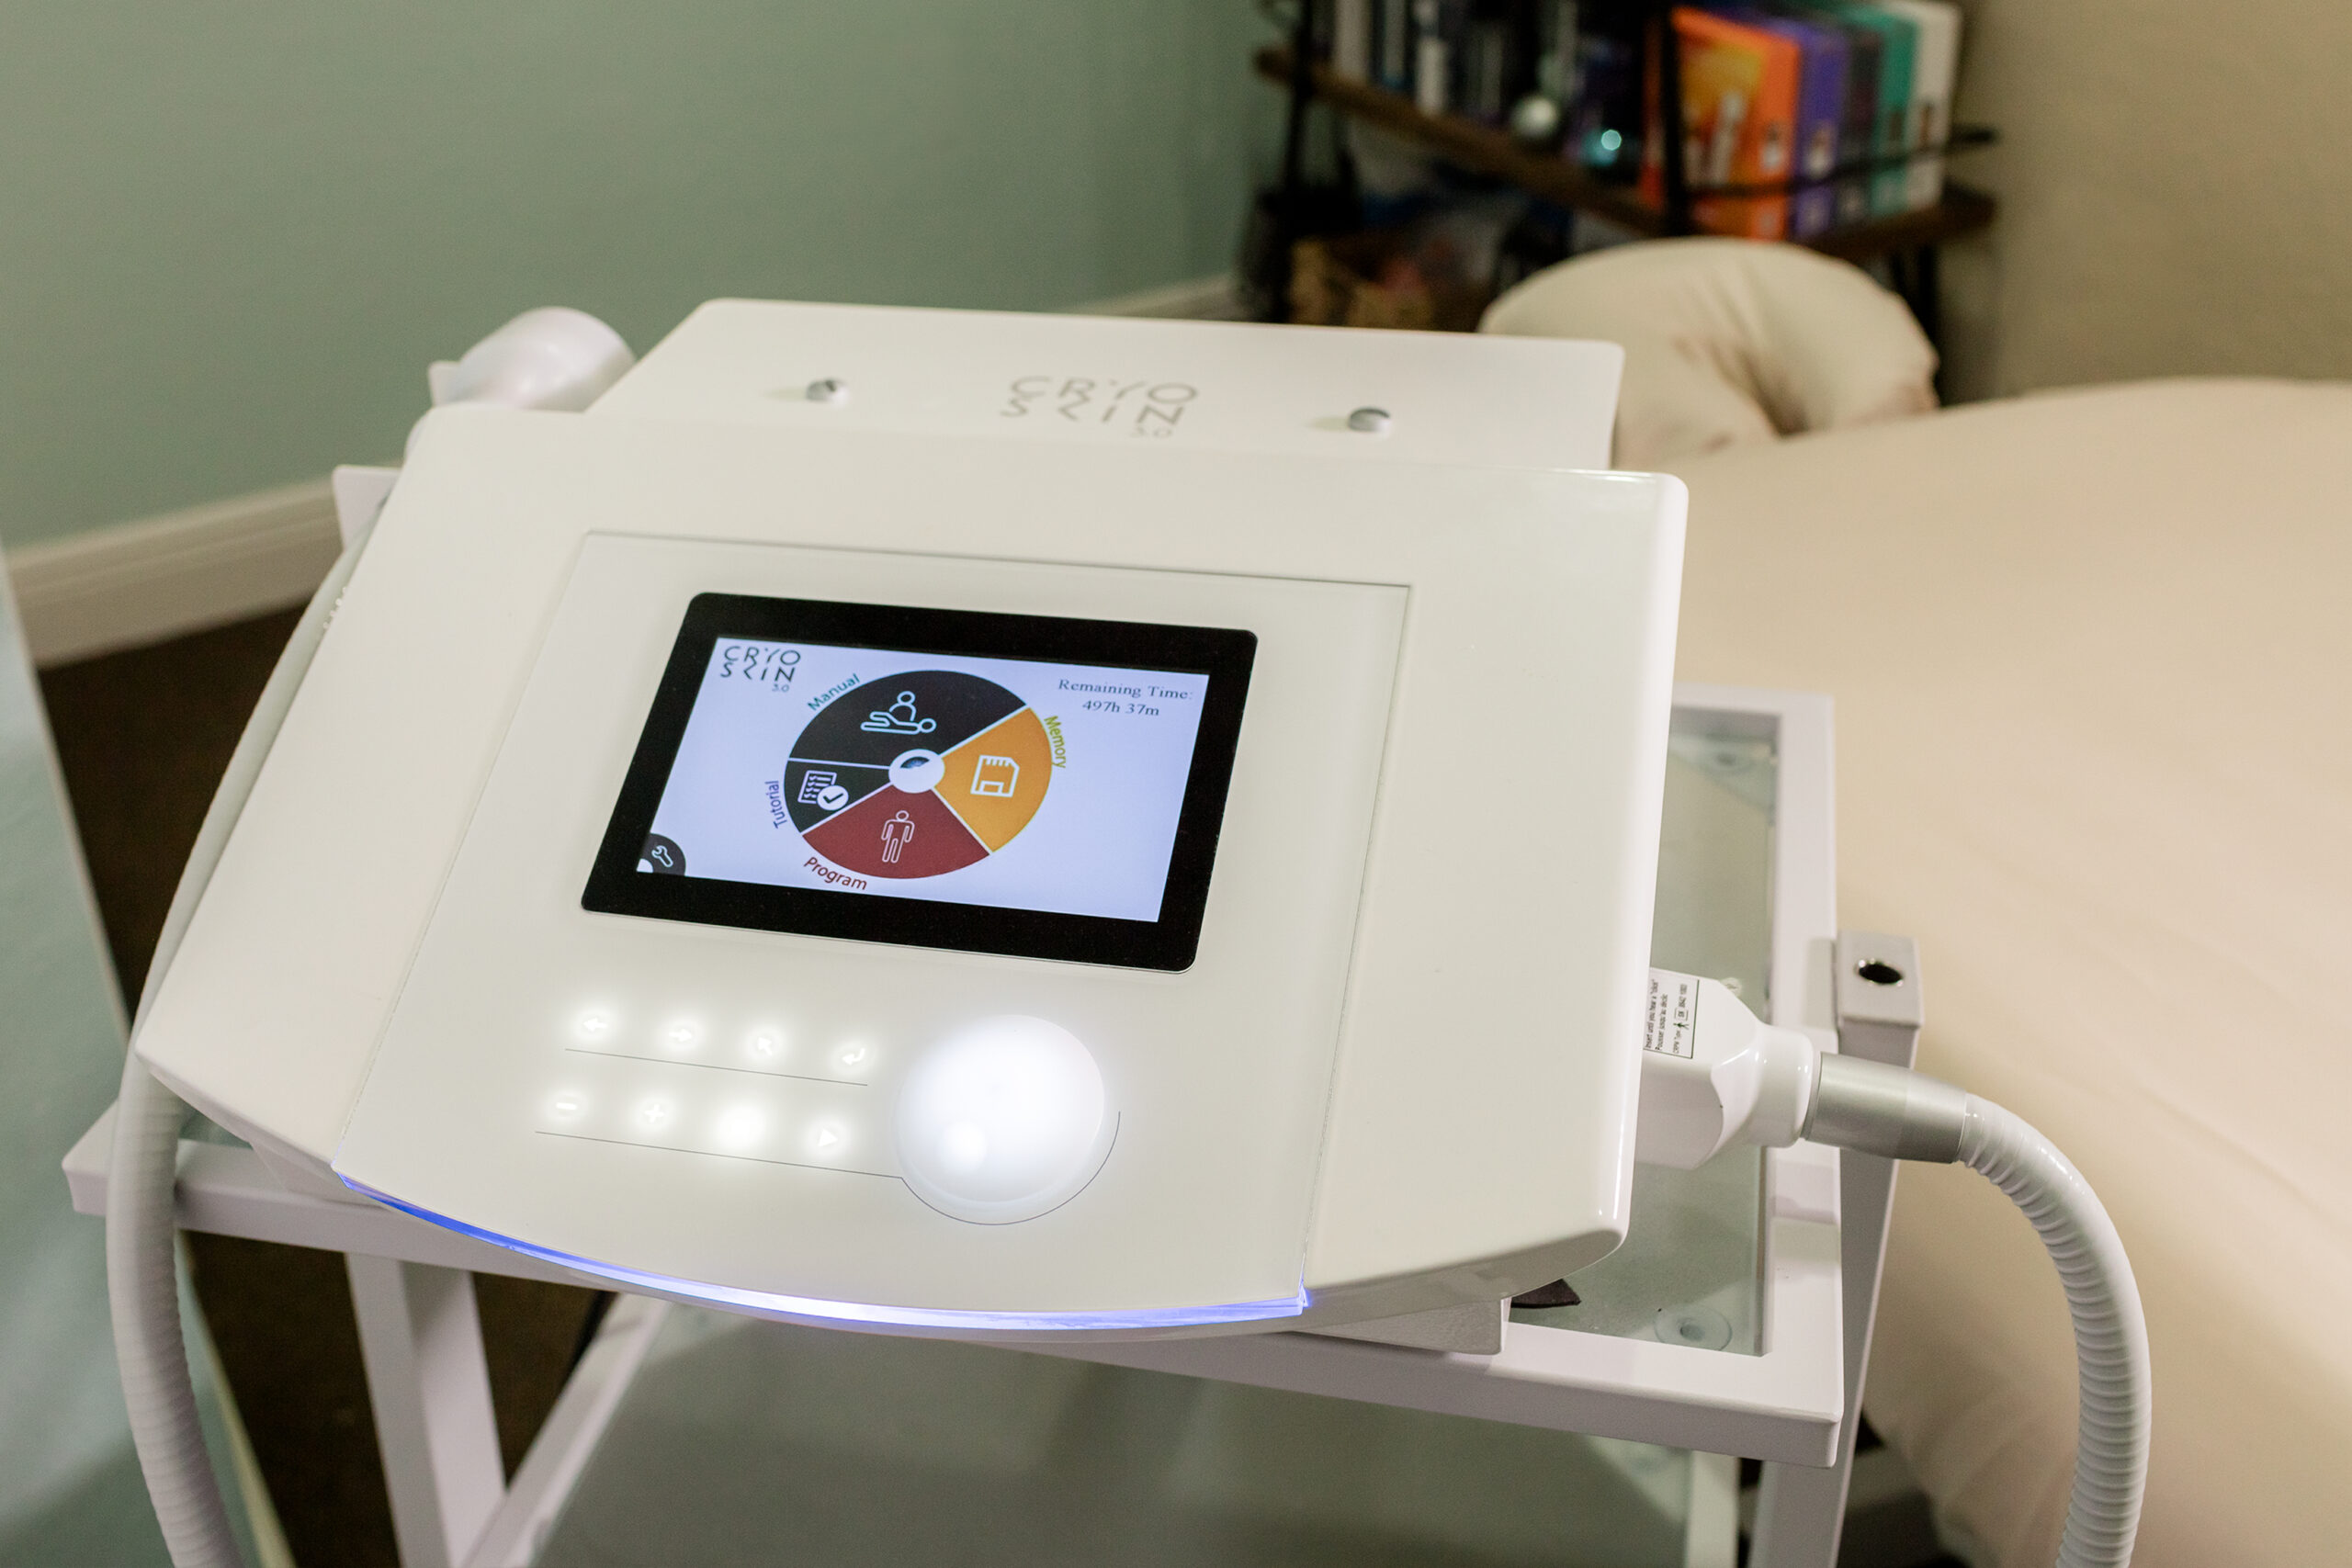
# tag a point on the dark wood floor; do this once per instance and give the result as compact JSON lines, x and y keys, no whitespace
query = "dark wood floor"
{"x":143,"y":737}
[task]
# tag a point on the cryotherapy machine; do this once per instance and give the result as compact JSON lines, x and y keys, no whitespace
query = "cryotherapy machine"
{"x":886,"y":810}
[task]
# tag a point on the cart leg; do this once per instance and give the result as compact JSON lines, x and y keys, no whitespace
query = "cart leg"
{"x":430,"y":1387}
{"x":1800,"y":1511}
{"x":1711,"y":1537}
{"x":544,"y":1481}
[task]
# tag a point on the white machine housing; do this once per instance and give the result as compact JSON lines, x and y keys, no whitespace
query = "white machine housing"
{"x":1400,"y":1073}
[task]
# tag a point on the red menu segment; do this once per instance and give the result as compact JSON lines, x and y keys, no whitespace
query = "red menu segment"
{"x":894,"y":833}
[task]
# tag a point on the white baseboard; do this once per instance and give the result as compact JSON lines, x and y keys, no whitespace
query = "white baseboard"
{"x":162,"y":577}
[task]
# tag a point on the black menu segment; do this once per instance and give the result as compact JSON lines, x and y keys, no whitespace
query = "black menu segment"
{"x":929,"y":710}
{"x":815,"y":789}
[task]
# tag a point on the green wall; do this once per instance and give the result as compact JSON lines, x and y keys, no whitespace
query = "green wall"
{"x":234,"y":231}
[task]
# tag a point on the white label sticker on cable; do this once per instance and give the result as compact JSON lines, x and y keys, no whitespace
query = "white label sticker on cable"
{"x":1673,"y":1013}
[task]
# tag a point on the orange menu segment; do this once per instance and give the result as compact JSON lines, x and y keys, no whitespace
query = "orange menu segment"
{"x":996,"y":779}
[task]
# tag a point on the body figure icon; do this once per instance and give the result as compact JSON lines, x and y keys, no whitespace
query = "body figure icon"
{"x":896,"y":833}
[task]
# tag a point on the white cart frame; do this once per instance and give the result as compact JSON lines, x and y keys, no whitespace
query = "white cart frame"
{"x":1793,"y":1405}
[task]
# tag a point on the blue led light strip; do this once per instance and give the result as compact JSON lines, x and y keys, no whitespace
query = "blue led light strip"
{"x":861,"y":1312}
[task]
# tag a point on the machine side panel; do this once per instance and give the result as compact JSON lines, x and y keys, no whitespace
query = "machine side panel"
{"x":1530,"y":730}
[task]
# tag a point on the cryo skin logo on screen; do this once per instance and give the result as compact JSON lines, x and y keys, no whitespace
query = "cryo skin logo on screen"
{"x":1006,"y":783}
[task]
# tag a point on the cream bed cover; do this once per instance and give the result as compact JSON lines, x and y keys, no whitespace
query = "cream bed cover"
{"x":2092,"y":657}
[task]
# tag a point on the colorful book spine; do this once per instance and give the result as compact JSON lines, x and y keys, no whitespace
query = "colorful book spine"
{"x":1392,"y":44}
{"x":1857,"y":125}
{"x":1889,"y":185}
{"x":1821,"y":103}
{"x":1934,"y":68}
{"x":1891,"y":127}
{"x":1739,"y":123}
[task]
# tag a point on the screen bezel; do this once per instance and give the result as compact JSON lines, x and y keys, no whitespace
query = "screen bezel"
{"x":1223,"y":655}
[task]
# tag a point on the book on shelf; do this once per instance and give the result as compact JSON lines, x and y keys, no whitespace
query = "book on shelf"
{"x":1437,"y":33}
{"x":1821,"y":105}
{"x":1739,"y":123}
{"x":1474,"y":57}
{"x":1872,"y":110}
{"x":1351,"y":40}
{"x":1605,"y":112}
{"x":1392,"y":44}
{"x":1555,"y":38}
{"x":1934,"y":68}
{"x":1858,"y":127}
{"x":1890,"y":140}
{"x":1491,"y":61}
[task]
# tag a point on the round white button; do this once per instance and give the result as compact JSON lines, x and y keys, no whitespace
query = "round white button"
{"x":1002,"y":1121}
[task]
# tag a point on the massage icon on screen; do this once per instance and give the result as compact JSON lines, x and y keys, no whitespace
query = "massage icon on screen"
{"x":899,"y":718}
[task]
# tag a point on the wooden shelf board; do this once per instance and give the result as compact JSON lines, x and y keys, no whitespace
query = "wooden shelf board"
{"x":1490,"y":150}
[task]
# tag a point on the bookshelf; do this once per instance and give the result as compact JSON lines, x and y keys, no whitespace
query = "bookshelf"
{"x":1908,"y":241}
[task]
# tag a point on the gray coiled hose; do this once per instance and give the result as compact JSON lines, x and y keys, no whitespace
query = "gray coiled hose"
{"x":1888,"y":1110}
{"x":551,"y":358}
{"x":142,"y":1282}
{"x":2110,"y":1333}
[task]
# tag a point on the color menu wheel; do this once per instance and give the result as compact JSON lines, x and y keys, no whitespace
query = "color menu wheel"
{"x":918,"y":774}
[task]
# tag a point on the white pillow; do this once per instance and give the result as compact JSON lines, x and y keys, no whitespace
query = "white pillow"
{"x":1730,"y":341}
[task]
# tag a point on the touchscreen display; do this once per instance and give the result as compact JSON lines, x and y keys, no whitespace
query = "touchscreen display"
{"x":913,"y":775}
{"x":1067,"y":772}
